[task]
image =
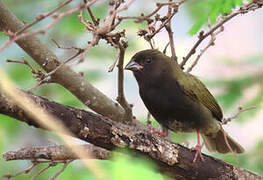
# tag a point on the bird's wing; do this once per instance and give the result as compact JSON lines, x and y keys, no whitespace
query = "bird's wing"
{"x":197,"y":91}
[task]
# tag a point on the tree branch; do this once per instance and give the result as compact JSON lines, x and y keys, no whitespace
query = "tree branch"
{"x":121,"y":98}
{"x":170,"y":34}
{"x":54,"y":153}
{"x":172,"y":159}
{"x":64,"y":76}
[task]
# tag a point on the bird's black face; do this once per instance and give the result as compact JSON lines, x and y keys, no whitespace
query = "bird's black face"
{"x":147,"y":64}
{"x":141,"y":61}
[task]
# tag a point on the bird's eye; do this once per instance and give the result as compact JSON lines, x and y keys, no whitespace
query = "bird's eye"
{"x":148,"y":61}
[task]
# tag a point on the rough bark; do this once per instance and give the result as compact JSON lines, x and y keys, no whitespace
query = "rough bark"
{"x":172,"y":159}
{"x":54,"y":153}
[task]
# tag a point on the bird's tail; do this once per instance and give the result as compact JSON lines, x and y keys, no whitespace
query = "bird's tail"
{"x":222,"y":143}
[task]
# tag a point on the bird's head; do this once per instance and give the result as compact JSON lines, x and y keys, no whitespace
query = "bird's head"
{"x":149,"y":64}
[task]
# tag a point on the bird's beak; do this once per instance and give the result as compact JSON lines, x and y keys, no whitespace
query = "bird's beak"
{"x":133,"y":66}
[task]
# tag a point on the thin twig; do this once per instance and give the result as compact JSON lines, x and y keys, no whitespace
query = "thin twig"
{"x":150,"y":41}
{"x":161,"y":26}
{"x":42,"y":170}
{"x":103,"y":31}
{"x":251,"y":6}
{"x":62,"y":47}
{"x":26,"y":171}
{"x":92,"y":16}
{"x":64,"y":62}
{"x":170,"y":33}
{"x":111,"y":68}
{"x":94,"y":42}
{"x":240,"y":110}
{"x":43,"y":78}
{"x":165,"y":48}
{"x":210,"y":43}
{"x":143,"y":18}
{"x":88,"y":26}
{"x":57,"y":18}
{"x":39,"y":83}
{"x":121,"y":98}
{"x":94,"y":20}
{"x":124,"y":7}
{"x":227,"y":143}
{"x":42,"y":16}
{"x":39,"y":75}
{"x":61,"y":170}
{"x":165,"y":22}
{"x":139,"y":19}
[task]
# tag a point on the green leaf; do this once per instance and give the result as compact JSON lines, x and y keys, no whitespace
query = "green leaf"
{"x":196,"y":27}
{"x":238,"y":2}
{"x":212,"y":9}
{"x":228,"y":5}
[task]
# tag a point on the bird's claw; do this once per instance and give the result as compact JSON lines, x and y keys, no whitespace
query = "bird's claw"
{"x":157,"y":131}
{"x":198,"y":153}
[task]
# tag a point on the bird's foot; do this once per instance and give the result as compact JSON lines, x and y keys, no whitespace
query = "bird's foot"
{"x":198,"y":152}
{"x":159,"y":132}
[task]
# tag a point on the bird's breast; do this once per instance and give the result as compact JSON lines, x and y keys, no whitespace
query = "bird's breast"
{"x":172,"y":108}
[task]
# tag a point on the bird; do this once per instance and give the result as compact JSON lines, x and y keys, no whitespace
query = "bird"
{"x":180,"y":102}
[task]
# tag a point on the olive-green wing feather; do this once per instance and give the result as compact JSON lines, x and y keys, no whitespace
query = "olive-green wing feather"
{"x":197,"y":91}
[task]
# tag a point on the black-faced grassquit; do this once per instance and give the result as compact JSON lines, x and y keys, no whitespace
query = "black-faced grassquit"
{"x":179,"y":101}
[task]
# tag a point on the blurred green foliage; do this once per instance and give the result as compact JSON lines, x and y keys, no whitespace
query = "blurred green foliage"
{"x":69,"y":30}
{"x":70,"y":25}
{"x":234,"y":91}
{"x":126,"y":167}
{"x":204,"y":11}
